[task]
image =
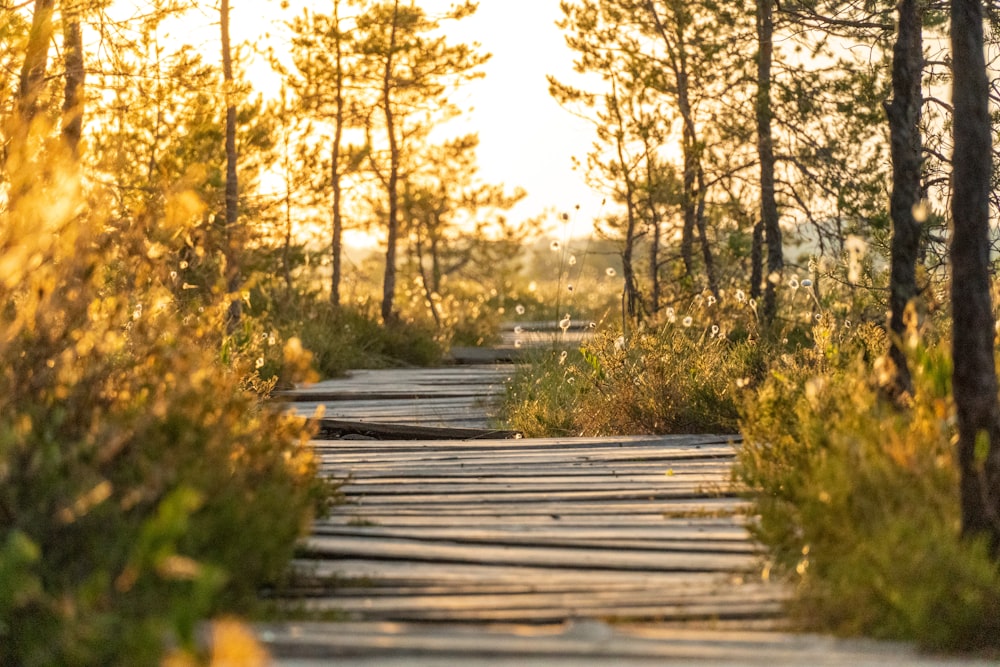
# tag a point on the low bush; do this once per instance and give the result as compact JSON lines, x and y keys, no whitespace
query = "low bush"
{"x":347,"y":337}
{"x":857,"y":501}
{"x":671,"y":380}
{"x":142,"y":487}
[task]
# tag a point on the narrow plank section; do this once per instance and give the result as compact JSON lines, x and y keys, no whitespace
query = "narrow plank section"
{"x":453,"y":397}
{"x":575,"y":643}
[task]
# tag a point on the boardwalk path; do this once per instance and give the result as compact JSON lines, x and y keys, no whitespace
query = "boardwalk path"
{"x":544,"y":551}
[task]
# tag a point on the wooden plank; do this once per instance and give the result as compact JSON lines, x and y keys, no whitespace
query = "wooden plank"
{"x":609,"y":509}
{"x":592,"y":558}
{"x":575,"y":643}
{"x":393,"y":573}
{"x":402,"y":496}
{"x":538,"y":609}
{"x":338,"y":427}
{"x":726,"y":528}
{"x":632,"y":443}
{"x":560,"y":541}
{"x":528,"y":458}
{"x":501,"y":483}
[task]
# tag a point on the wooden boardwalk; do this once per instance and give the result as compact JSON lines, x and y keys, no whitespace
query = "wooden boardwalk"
{"x":454,"y":396}
{"x":576,"y":551}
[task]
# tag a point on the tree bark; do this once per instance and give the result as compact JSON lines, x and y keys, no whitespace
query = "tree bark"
{"x":36,"y":56}
{"x":706,"y":248}
{"x":31,"y":83}
{"x":630,"y":295}
{"x":233,"y":279}
{"x":903,"y":112}
{"x":757,"y":260}
{"x":654,"y":236}
{"x":769,"y":218}
{"x":392,"y":231}
{"x":338,"y":133}
{"x":689,"y":137}
{"x":73,"y":103}
{"x":974,"y":377}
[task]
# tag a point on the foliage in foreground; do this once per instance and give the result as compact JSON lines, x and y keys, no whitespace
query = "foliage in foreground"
{"x":858,"y":503}
{"x":142,"y":487}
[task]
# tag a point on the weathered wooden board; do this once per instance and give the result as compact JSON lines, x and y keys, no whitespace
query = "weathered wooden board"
{"x":535,"y":531}
{"x":575,"y":643}
{"x":456,"y":396}
{"x":480,"y":381}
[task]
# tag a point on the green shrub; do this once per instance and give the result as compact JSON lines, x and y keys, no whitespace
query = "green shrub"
{"x":672,"y":380}
{"x":543,"y":395}
{"x":858,"y":504}
{"x":348,"y":337}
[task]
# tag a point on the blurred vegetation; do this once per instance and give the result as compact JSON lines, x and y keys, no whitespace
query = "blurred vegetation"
{"x":145,"y":485}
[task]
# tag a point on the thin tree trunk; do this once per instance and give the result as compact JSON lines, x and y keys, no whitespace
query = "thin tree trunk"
{"x":654,"y":228}
{"x":73,"y":104}
{"x":974,"y":377}
{"x":757,"y":260}
{"x":903,"y":112}
{"x":338,"y":132}
{"x":654,"y":258}
{"x":428,"y":281}
{"x":689,"y":200}
{"x":389,"y":281}
{"x":689,"y":136}
{"x":233,"y":279}
{"x":30,"y":86}
{"x":706,"y":248}
{"x":36,"y":56}
{"x":765,"y":150}
{"x":631,"y":290}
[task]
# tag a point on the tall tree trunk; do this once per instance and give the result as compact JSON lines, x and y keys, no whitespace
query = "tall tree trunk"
{"x":630,"y":295}
{"x":338,"y":133}
{"x":974,"y":377}
{"x":428,"y":281}
{"x":688,"y":197}
{"x":757,"y":260}
{"x":72,"y":121}
{"x":677,"y":55}
{"x":233,"y":279}
{"x":903,"y":112}
{"x":654,"y":258}
{"x":706,"y":248}
{"x":36,"y":57}
{"x":392,"y":232}
{"x":31,"y":83}
{"x":765,"y":151}
{"x":654,"y":229}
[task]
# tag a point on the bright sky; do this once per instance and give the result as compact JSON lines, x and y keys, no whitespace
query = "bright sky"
{"x":526,"y":139}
